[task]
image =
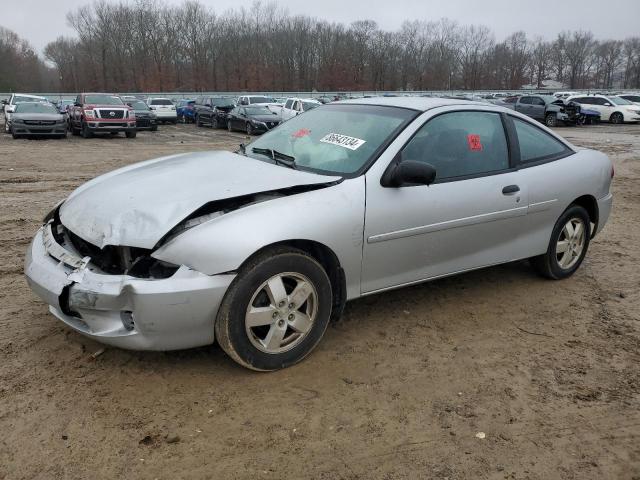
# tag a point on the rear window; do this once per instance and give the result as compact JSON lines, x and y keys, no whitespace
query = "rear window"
{"x":161,"y":101}
{"x":260,"y":100}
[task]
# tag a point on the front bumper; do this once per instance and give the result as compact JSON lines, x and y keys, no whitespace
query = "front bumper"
{"x":120,"y":125}
{"x":168,"y":314}
{"x":166,"y":114}
{"x":24,"y":129}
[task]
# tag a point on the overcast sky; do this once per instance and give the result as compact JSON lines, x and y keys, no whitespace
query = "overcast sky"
{"x":41,"y":21}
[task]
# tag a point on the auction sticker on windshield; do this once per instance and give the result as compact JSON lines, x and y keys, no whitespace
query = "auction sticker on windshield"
{"x":351,"y":143}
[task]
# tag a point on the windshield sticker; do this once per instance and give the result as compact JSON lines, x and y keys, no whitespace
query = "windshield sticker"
{"x":351,"y":143}
{"x":474,"y":143}
{"x":303,"y":132}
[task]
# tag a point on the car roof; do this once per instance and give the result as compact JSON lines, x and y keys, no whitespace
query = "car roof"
{"x":414,"y":103}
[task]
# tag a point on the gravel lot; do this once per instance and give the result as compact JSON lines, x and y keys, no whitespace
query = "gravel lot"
{"x":400,"y":388}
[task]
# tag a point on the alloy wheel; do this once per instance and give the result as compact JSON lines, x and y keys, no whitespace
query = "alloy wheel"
{"x":571,"y":243}
{"x":281,"y":312}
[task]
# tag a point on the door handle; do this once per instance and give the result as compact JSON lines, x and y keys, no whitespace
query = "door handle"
{"x":510,"y":189}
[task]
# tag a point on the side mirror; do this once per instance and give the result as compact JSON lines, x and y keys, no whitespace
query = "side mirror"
{"x":207,"y":105}
{"x":408,"y":173}
{"x":129,"y":105}
{"x":11,"y":109}
{"x":4,"y":102}
{"x":77,"y":104}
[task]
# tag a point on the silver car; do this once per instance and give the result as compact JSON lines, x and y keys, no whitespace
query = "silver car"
{"x":260,"y":249}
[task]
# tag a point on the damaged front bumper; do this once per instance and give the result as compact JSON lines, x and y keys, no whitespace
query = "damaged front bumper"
{"x":127,"y":312}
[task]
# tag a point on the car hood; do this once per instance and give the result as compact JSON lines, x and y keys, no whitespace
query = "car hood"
{"x":137,"y":205}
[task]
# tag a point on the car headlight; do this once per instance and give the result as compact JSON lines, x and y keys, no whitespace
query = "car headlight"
{"x":89,"y":113}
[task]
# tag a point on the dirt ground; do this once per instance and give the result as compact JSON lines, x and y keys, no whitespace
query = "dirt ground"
{"x":400,"y":388}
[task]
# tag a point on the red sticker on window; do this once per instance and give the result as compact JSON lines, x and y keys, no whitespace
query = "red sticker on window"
{"x":474,"y":142}
{"x":303,"y":132}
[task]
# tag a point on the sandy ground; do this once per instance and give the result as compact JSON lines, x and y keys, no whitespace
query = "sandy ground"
{"x":549,"y":371}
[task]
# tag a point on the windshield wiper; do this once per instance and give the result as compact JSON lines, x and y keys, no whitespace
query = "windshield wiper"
{"x":277,"y":157}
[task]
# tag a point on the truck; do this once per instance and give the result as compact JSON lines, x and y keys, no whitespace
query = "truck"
{"x":101,"y":113}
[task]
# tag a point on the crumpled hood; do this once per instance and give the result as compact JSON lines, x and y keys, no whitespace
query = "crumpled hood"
{"x":137,"y":205}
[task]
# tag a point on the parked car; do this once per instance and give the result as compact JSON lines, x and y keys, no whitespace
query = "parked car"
{"x":631,"y":97}
{"x":213,"y":111}
{"x":37,"y":118}
{"x":245,"y":100}
{"x":185,"y":110}
{"x":64,"y":105}
{"x":164,"y":109}
{"x":252,"y":120}
{"x":15,"y":99}
{"x":296,"y":106}
{"x":506,"y":102}
{"x":101,"y":113}
{"x":348,"y":200}
{"x":611,"y":108}
{"x":146,"y":118}
{"x":545,"y":108}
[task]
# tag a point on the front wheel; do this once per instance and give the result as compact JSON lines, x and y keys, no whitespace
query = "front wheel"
{"x":131,"y":134}
{"x":154,"y":128}
{"x":249,"y":129}
{"x":275,"y":311}
{"x":86,"y":132}
{"x":568,"y":245}
{"x":617,"y":118}
{"x":214,"y":123}
{"x":551,"y":120}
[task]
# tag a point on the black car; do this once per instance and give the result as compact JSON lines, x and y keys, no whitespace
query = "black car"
{"x":258,"y":119}
{"x":213,"y":111}
{"x":146,"y":119}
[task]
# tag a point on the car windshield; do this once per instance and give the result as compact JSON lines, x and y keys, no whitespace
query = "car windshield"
{"x":35,"y":108}
{"x":309,"y":105}
{"x":258,"y":111}
{"x":619,"y":101}
{"x":103,"y":100}
{"x":334,"y":139}
{"x":221,"y":102}
{"x":138,"y":104}
{"x":22,"y":99}
{"x":260,"y":100}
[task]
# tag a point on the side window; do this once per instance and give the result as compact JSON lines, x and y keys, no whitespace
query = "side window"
{"x":288,"y":104}
{"x":602,"y":101}
{"x":78,"y":99}
{"x":538,"y":101}
{"x":460,"y":143}
{"x":536,"y":144}
{"x":525,"y":100}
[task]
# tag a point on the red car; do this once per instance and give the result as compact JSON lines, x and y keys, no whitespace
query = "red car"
{"x":101,"y":113}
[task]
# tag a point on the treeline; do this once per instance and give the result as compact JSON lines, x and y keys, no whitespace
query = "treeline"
{"x":145,"y":45}
{"x":20,"y":66}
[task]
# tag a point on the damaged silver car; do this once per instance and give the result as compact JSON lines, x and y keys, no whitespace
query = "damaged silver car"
{"x":259,"y":249}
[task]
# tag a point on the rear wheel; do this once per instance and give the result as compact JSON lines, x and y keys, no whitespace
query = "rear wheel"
{"x":617,"y":118}
{"x":551,"y":120}
{"x":568,"y":245}
{"x":275,"y":311}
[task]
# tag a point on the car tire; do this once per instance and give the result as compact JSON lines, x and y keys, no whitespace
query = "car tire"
{"x":198,"y":122}
{"x":281,"y":331}
{"x":551,"y":120}
{"x":557,"y":264}
{"x":617,"y":118}
{"x":6,"y":127}
{"x":131,"y":134}
{"x":154,"y":128}
{"x":249,"y":129}
{"x":86,"y":133}
{"x":214,"y":123}
{"x":229,"y":126}
{"x":15,"y":136}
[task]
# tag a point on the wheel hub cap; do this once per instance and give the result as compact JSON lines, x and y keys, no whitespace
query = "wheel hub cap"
{"x":570,"y":243}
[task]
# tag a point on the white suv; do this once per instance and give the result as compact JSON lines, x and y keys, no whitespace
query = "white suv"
{"x":9,"y":106}
{"x":164,"y":109}
{"x":296,"y":106}
{"x":612,"y":109}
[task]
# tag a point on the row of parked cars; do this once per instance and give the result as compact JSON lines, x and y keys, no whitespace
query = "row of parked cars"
{"x":89,"y":113}
{"x":92,"y":113}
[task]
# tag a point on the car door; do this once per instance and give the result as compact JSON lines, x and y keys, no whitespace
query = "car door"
{"x":537,"y":108}
{"x":523,"y":105}
{"x":471,"y":216}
